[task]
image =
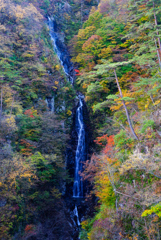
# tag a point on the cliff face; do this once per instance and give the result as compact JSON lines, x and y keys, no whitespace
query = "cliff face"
{"x":57,"y":223}
{"x":71,"y":150}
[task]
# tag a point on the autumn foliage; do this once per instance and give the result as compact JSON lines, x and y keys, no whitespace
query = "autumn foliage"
{"x":120,"y":80}
{"x":108,"y":40}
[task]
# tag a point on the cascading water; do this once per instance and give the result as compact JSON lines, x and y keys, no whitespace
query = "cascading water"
{"x":80,"y":151}
{"x":64,"y":58}
{"x":61,"y":50}
{"x":80,"y":133}
{"x":76,"y":214}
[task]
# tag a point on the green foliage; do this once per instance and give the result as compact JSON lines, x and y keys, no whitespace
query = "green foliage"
{"x":100,"y":106}
{"x":94,"y":19}
{"x":122,"y":141}
{"x":124,"y":51}
{"x":44,"y":168}
{"x":32,"y":139}
{"x":154,"y":209}
{"x":147,"y":124}
{"x":29,"y":127}
{"x":119,"y":35}
{"x":112,"y":96}
{"x":93,"y":87}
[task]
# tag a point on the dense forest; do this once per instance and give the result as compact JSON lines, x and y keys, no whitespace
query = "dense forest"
{"x":115,"y":49}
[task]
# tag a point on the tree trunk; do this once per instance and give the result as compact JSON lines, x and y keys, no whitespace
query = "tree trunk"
{"x":156,"y":24}
{"x":1,"y":101}
{"x":158,"y":54}
{"x":12,"y":106}
{"x":127,"y":114}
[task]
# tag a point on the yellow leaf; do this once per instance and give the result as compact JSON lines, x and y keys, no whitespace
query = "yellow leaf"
{"x":157,"y":102}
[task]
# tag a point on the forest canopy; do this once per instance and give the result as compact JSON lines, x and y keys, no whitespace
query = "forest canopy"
{"x":115,"y":48}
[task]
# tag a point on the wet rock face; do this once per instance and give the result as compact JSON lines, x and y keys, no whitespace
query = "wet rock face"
{"x":66,"y":221}
{"x":61,"y":50}
{"x":61,"y":222}
{"x":72,"y":147}
{"x":78,"y":206}
{"x":56,"y":224}
{"x":55,"y":26}
{"x":50,"y":103}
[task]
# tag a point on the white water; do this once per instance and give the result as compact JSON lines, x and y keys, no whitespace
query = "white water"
{"x":52,"y":104}
{"x":80,"y":156}
{"x":68,"y":68}
{"x":80,"y":151}
{"x":76,"y":214}
{"x":62,"y":55}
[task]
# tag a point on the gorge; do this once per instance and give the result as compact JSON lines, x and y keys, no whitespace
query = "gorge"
{"x":80,"y":141}
{"x":80,"y":120}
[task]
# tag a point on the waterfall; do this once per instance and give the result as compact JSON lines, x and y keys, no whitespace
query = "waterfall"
{"x":77,"y":152}
{"x":80,"y":151}
{"x":80,"y":155}
{"x":76,"y":214}
{"x":61,"y":50}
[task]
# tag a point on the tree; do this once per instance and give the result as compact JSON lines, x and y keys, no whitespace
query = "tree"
{"x":112,"y":66}
{"x":144,"y":29}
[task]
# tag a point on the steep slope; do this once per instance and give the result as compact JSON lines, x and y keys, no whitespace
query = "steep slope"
{"x":118,"y":53}
{"x":32,"y":138}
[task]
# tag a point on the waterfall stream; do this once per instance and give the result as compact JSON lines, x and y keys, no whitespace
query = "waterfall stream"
{"x":80,"y":151}
{"x":79,"y":125}
{"x":76,"y":214}
{"x":61,"y":50}
{"x":64,"y":58}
